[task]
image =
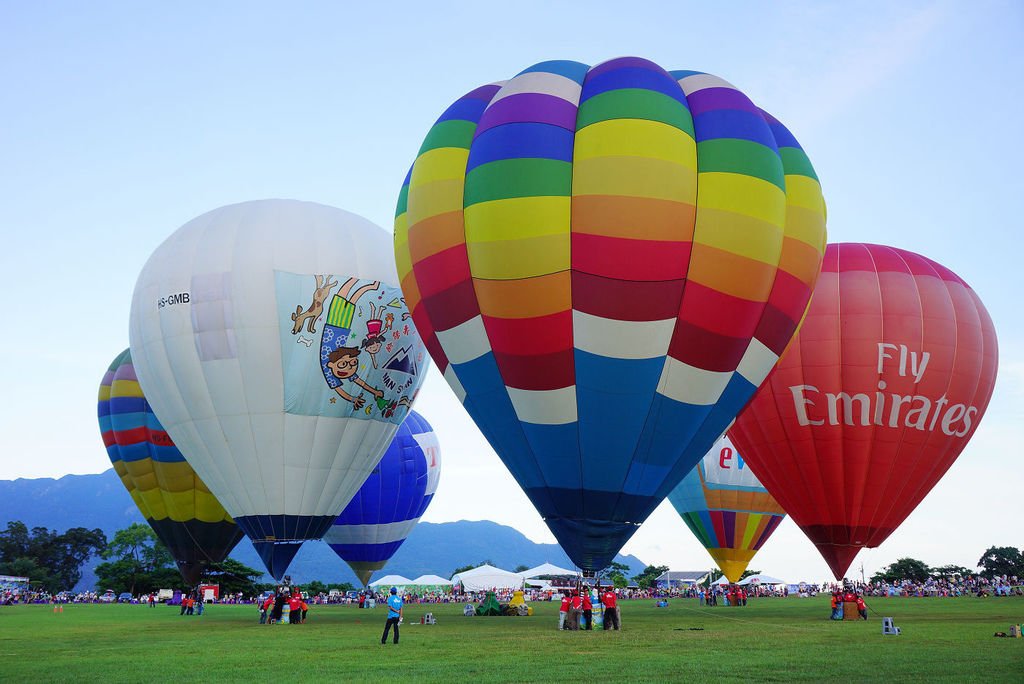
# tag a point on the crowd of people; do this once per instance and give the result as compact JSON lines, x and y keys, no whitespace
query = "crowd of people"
{"x":941,"y":587}
{"x":272,"y":606}
{"x":577,"y":608}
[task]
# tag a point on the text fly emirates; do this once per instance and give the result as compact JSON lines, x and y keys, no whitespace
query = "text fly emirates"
{"x":918,"y":412}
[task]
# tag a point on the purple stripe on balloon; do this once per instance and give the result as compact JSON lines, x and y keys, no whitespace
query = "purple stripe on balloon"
{"x":127,"y":372}
{"x":625,"y":62}
{"x":710,"y":99}
{"x":529,"y":107}
{"x":108,"y":378}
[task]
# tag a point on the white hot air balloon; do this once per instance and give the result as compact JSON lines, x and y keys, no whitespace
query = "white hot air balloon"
{"x":274,"y":343}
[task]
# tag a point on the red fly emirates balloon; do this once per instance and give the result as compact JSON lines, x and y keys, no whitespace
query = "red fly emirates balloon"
{"x":877,"y":395}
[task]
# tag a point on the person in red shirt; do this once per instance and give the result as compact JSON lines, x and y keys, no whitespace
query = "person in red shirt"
{"x":267,"y":604}
{"x":294,"y":609}
{"x":611,"y":609}
{"x":862,"y":608}
{"x":563,"y":611}
{"x":575,"y":607}
{"x":588,"y":610}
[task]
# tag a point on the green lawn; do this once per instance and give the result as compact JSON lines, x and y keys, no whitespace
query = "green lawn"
{"x":769,"y":640}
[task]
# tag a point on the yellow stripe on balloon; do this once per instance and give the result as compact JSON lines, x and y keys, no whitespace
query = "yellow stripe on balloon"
{"x":744,"y":195}
{"x":208,"y":509}
{"x":518,"y":218}
{"x":443,"y":163}
{"x":104,"y":394}
{"x":806,"y":225}
{"x":803,"y":191}
{"x":523,"y":258}
{"x":434,"y":199}
{"x":635,"y":177}
{"x":126,"y":388}
{"x":635,"y":138}
{"x":746,"y":236}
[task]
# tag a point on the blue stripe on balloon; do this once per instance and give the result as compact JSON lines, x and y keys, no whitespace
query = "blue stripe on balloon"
{"x":465,"y":109}
{"x":733,"y":123}
{"x":574,"y":71}
{"x":521,"y":140}
{"x":633,"y":77}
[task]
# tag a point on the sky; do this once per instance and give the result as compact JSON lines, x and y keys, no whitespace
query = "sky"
{"x":119,"y":122}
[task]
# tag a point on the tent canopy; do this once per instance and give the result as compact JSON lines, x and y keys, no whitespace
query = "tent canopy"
{"x":430,"y":581}
{"x":546,"y":569}
{"x":391,"y":581}
{"x":487,"y":577}
{"x":761,"y":579}
{"x":723,"y":580}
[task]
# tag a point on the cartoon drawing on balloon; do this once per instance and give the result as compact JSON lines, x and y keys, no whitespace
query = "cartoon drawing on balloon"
{"x":309,"y":316}
{"x":367,"y":356}
{"x":375,"y":329}
{"x":343,"y":364}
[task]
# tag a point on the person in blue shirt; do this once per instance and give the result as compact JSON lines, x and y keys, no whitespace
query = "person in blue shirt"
{"x":394,"y":615}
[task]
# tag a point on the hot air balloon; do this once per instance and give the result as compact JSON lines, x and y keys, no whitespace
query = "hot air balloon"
{"x":186,"y":517}
{"x":727,"y":508}
{"x":391,"y":501}
{"x":605,"y":263}
{"x":876,"y":397}
{"x":273,"y":342}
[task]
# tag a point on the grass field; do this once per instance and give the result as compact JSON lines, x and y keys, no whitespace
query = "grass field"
{"x":769,"y":640}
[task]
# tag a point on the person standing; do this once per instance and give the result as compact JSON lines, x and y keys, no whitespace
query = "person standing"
{"x":394,"y":615}
{"x":294,"y":608}
{"x":575,"y":608}
{"x":588,"y":610}
{"x":611,"y":609}
{"x":265,"y":608}
{"x":563,"y":611}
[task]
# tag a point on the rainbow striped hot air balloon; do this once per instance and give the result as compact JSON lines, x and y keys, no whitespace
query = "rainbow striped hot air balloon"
{"x":392,"y":500}
{"x":186,"y":517}
{"x":727,"y":508}
{"x":605,"y":263}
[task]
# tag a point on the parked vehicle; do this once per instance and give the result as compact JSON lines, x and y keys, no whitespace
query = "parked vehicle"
{"x":108,"y":596}
{"x":124,"y":597}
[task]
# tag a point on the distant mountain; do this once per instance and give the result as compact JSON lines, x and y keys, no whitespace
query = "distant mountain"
{"x":433,"y":548}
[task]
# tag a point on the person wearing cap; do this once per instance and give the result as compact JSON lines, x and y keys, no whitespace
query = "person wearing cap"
{"x":563,"y":611}
{"x":394,"y":615}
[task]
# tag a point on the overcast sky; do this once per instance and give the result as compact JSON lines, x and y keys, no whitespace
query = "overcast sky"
{"x":121,"y":121}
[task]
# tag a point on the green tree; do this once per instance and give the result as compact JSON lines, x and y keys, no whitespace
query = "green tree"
{"x":903,"y":569}
{"x":951,"y":572}
{"x":1001,"y":560}
{"x":137,"y":562}
{"x":55,"y":560}
{"x":615,"y":573}
{"x":233,"y":577}
{"x":646,"y":578}
{"x":749,"y":573}
{"x":521,"y":568}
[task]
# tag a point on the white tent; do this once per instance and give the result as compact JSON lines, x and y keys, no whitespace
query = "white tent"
{"x":389,"y":581}
{"x":760,"y":579}
{"x":721,"y":581}
{"x":546,"y":569}
{"x":430,"y":581}
{"x":487,"y":577}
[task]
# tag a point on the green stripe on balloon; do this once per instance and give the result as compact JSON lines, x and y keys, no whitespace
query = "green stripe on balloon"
{"x":635,"y":103}
{"x":510,"y":178}
{"x":730,"y":155}
{"x":796,"y":162}
{"x":451,"y":133}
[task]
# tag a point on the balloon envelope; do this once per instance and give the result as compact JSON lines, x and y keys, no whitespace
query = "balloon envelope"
{"x":727,"y":508}
{"x":186,"y":517}
{"x":605,"y":263}
{"x":878,"y":394}
{"x":391,"y":501}
{"x":272,"y":340}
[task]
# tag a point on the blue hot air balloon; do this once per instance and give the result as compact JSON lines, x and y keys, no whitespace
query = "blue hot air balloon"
{"x":391,"y":501}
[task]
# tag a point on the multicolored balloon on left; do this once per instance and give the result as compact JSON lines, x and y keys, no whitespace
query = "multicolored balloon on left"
{"x":727,"y":508}
{"x":186,"y":517}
